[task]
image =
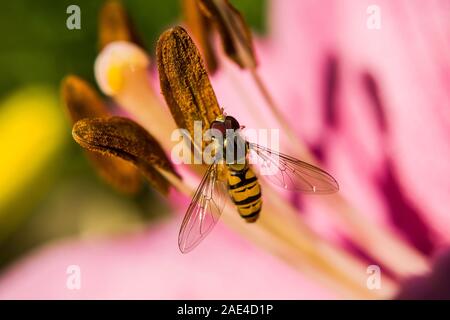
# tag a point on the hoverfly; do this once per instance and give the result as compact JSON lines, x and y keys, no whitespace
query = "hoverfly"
{"x":241,"y":183}
{"x":190,"y":97}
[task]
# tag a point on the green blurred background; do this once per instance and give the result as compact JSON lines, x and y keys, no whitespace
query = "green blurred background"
{"x":48,"y":190}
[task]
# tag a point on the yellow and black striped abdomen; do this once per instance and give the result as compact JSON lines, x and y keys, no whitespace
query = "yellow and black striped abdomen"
{"x":245,"y":191}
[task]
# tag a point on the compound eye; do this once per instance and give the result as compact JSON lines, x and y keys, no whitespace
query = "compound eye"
{"x":231,"y":123}
{"x":218,"y":125}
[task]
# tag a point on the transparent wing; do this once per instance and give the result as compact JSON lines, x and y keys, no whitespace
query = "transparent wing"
{"x":204,"y":211}
{"x":292,"y":174}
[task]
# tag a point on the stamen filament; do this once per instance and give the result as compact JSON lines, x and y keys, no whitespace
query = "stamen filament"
{"x":274,"y":109}
{"x":121,"y":70}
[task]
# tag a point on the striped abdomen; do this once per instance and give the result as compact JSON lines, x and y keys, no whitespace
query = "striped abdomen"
{"x":245,"y":192}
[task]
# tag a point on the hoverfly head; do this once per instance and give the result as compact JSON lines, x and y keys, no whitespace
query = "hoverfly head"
{"x":224,"y":124}
{"x":231,"y":123}
{"x":219,"y":124}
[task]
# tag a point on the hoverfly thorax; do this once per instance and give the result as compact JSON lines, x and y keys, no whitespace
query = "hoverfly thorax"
{"x":235,"y":148}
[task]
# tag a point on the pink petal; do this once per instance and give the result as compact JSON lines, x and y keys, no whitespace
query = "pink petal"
{"x":149,"y":266}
